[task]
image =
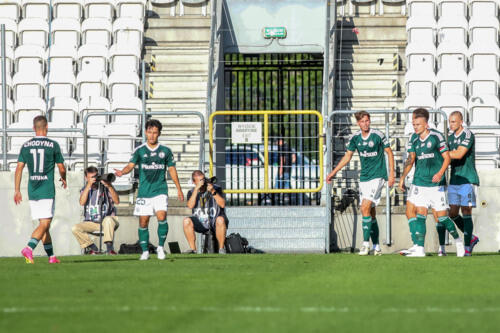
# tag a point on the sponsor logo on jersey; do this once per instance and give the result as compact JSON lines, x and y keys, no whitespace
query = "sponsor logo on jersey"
{"x":153,"y":166}
{"x":39,"y":177}
{"x":364,"y":143}
{"x":368,"y":154}
{"x":153,"y":154}
{"x":161,"y":154}
{"x":36,"y":143}
{"x":425,"y":156}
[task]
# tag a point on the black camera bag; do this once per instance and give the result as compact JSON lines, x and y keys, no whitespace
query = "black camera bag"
{"x":236,"y":244}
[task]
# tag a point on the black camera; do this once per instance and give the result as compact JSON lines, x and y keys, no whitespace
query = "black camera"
{"x":107,"y":177}
{"x":206,"y":181}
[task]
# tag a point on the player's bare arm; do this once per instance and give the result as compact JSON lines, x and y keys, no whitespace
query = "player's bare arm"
{"x":173,"y":174}
{"x":62,"y":173}
{"x":85,"y":193}
{"x":114,"y":196}
{"x":390,"y":157}
{"x":343,"y":162}
{"x":446,"y":162}
{"x":18,"y":176}
{"x":129,"y":167}
{"x":221,"y":202}
{"x":458,"y":153}
{"x":406,"y":170}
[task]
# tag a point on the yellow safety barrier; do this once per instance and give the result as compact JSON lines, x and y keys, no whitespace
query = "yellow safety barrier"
{"x":266,"y":114}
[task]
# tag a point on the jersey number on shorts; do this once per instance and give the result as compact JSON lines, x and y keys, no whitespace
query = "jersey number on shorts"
{"x":36,"y":152}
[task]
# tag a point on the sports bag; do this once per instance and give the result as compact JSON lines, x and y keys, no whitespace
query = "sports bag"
{"x":236,"y":244}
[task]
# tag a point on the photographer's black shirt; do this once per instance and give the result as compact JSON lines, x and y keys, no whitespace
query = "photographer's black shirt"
{"x":91,"y":209}
{"x":206,"y":208}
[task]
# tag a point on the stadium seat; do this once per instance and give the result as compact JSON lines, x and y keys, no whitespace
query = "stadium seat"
{"x":34,"y":31}
{"x":10,"y":113}
{"x":10,"y":32}
{"x":202,"y":4}
{"x":123,"y":58}
{"x":355,"y":6}
{"x":60,"y":84}
{"x":483,"y":8}
{"x":30,"y":58}
{"x":72,"y":9}
{"x":419,"y":101}
{"x":91,"y":105}
{"x":94,"y":147}
{"x":62,"y":112}
{"x":484,"y":56}
{"x":10,"y":9}
{"x":123,"y":85}
{"x":8,"y":86}
{"x":393,"y":2}
{"x":62,"y":57}
{"x":104,"y":9}
{"x":421,"y":30}
{"x":452,"y":56}
{"x":420,"y":83}
{"x":421,"y":8}
{"x":91,"y":84}
{"x":119,"y":147}
{"x":450,"y":103}
{"x":27,"y":84}
{"x":15,"y":142}
{"x":421,"y":57}
{"x":452,"y":8}
{"x":36,"y":9}
{"x":452,"y":29}
{"x":127,"y":104}
{"x":451,"y":82}
{"x":483,"y":110}
{"x":128,"y":31}
{"x":131,"y":8}
{"x":483,"y":29}
{"x":93,"y":58}
{"x":172,"y":4}
{"x":26,"y":109}
{"x":66,"y":31}
{"x":483,"y":82}
{"x":96,"y":31}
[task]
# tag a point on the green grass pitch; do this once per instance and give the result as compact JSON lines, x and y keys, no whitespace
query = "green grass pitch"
{"x":251,"y":293}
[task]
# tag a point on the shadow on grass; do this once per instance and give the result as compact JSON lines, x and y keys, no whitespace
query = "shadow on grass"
{"x":109,"y":259}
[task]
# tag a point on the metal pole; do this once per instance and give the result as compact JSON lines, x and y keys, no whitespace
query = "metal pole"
{"x":143,"y":74}
{"x":4,"y":101}
{"x":213,"y":24}
{"x":388,"y":222}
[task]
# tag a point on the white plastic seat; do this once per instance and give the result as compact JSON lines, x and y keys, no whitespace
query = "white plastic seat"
{"x":10,"y":9}
{"x":419,"y":101}
{"x":421,"y":57}
{"x":123,"y":85}
{"x":36,"y":9}
{"x":33,"y":31}
{"x":202,"y":5}
{"x":450,"y":103}
{"x":483,"y":82}
{"x":421,"y":29}
{"x":420,"y":83}
{"x":15,"y":142}
{"x":93,"y":105}
{"x":27,"y":85}
{"x":483,"y":110}
{"x":30,"y":58}
{"x":96,"y":31}
{"x":483,"y":29}
{"x":93,"y":58}
{"x":94,"y":146}
{"x":62,"y":57}
{"x":452,"y":8}
{"x":66,"y":31}
{"x":118,"y":151}
{"x":131,"y":8}
{"x":28,"y":108}
{"x":128,"y":31}
{"x":10,"y":114}
{"x":422,"y":8}
{"x":10,"y":32}
{"x":483,"y":8}
{"x":172,"y":4}
{"x":127,"y":104}
{"x":91,"y":84}
{"x":9,"y":61}
{"x":123,"y":58}
{"x":63,"y":111}
{"x":72,"y":9}
{"x":8,"y":87}
{"x":452,"y":56}
{"x":100,"y":9}
{"x":452,"y":29}
{"x":484,"y":56}
{"x":451,"y":82}
{"x":60,"y":84}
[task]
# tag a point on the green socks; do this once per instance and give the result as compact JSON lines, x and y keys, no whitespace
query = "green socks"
{"x":48,"y":249}
{"x":449,"y":226}
{"x":412,"y":223}
{"x":367,"y":227}
{"x":459,"y":221}
{"x":33,"y":243}
{"x":468,"y":226}
{"x":162,"y":232}
{"x":441,"y":230}
{"x":420,"y":230}
{"x":374,"y":232}
{"x":144,"y":238}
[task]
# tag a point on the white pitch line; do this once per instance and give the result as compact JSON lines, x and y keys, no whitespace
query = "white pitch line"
{"x":244,"y":309}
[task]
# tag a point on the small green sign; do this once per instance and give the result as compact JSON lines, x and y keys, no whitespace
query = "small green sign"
{"x":274,"y":32}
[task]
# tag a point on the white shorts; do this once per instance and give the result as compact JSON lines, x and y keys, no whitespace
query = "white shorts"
{"x":149,"y":206}
{"x":42,"y":209}
{"x":429,"y":197}
{"x":371,"y":190}
{"x":462,"y":195}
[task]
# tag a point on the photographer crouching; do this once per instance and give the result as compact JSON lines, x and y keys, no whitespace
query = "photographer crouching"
{"x":98,"y":198}
{"x":207,"y":201}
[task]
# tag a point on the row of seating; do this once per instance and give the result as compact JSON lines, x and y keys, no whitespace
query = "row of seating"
{"x":348,"y":8}
{"x":452,"y":8}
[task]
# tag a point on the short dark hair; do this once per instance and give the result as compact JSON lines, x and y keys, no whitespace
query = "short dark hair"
{"x":458,"y":114}
{"x":421,"y":113}
{"x":360,"y":114}
{"x":154,"y":123}
{"x":39,"y":122}
{"x":91,"y":169}
{"x":197,"y":173}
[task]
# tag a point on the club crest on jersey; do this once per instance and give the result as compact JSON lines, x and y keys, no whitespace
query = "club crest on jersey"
{"x":371,"y":144}
{"x":161,"y":154}
{"x":429,"y":144}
